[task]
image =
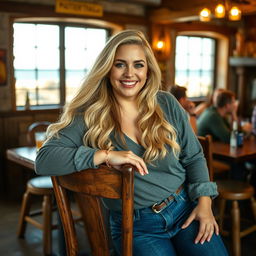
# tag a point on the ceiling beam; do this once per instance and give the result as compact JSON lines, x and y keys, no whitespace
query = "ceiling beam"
{"x":165,"y":16}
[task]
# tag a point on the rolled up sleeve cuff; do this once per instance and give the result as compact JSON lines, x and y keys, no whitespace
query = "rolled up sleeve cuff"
{"x":84,"y":158}
{"x":196,"y":190}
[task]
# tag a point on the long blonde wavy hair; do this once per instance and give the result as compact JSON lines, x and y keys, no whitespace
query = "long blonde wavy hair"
{"x":96,"y":100}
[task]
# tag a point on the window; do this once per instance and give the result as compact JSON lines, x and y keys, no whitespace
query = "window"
{"x":195,"y":64}
{"x":50,"y":60}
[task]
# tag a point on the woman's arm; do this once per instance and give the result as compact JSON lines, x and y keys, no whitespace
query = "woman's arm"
{"x":199,"y":186}
{"x":65,"y":153}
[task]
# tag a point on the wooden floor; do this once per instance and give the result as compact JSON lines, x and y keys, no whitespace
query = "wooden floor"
{"x":10,"y":245}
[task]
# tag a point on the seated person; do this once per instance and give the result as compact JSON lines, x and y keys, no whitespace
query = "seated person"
{"x":214,"y":120}
{"x":200,"y":108}
{"x":179,"y":92}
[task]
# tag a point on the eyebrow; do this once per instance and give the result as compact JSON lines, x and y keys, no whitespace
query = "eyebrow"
{"x":134,"y":61}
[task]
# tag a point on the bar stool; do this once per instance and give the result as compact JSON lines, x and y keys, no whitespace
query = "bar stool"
{"x":38,"y":186}
{"x":235,"y":191}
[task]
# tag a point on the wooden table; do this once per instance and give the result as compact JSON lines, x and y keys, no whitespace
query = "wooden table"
{"x":223,"y":151}
{"x":25,"y":156}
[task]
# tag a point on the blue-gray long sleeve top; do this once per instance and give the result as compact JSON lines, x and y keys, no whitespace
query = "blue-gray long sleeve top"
{"x":67,"y":154}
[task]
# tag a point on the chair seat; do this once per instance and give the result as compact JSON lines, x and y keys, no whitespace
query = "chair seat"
{"x":41,"y":182}
{"x":235,"y":190}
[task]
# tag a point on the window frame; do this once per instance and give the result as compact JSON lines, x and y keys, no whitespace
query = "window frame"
{"x":200,"y":35}
{"x":110,"y":28}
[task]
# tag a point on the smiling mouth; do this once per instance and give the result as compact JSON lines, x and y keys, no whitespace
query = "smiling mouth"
{"x":128,"y":84}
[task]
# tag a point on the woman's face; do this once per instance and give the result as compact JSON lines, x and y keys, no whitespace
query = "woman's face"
{"x":128,"y":74}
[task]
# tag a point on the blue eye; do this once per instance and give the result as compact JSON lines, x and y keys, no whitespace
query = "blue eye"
{"x":139,"y":65}
{"x":119,"y":65}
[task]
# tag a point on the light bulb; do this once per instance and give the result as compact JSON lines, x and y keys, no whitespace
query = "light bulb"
{"x":220,"y":11}
{"x":205,"y":15}
{"x":160,"y":45}
{"x":234,"y":13}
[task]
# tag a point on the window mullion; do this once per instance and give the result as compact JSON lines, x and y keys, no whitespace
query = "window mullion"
{"x":62,"y":66}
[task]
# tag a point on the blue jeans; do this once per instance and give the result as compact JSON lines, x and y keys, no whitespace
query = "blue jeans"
{"x":160,"y":234}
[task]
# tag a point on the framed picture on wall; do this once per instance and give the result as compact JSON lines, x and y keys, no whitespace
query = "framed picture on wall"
{"x":3,"y":67}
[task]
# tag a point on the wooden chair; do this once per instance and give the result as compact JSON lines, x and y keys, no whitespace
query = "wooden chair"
{"x":216,"y":166}
{"x":38,"y":186}
{"x":88,"y":187}
{"x":36,"y":127}
{"x":233,"y":191}
{"x":206,"y":143}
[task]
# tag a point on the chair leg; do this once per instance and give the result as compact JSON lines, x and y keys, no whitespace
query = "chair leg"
{"x":222,"y":206}
{"x":25,"y":207}
{"x":236,"y":241}
{"x":253,"y":204}
{"x":47,"y":225}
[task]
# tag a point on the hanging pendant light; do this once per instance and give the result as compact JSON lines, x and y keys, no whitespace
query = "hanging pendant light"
{"x":220,"y":11}
{"x":234,"y":13}
{"x":205,"y":15}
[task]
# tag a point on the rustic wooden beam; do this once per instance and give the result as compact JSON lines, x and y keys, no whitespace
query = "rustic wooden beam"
{"x":165,"y":15}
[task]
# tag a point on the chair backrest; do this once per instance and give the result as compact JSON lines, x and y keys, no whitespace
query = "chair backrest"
{"x":206,"y":143}
{"x":40,"y":126}
{"x":89,"y":186}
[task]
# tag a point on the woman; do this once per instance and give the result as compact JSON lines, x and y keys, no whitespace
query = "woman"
{"x":119,"y":116}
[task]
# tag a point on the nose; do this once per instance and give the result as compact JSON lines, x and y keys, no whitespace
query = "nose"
{"x":129,"y":71}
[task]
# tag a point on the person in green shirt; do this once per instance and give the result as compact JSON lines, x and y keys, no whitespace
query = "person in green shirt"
{"x":120,"y":116}
{"x":213,"y":120}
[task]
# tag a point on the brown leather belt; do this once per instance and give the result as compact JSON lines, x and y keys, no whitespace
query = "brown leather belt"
{"x":159,"y":207}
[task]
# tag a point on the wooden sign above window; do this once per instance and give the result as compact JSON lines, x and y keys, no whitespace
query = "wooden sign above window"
{"x":79,"y":8}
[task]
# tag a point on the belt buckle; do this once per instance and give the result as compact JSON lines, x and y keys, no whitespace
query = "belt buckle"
{"x":156,"y":211}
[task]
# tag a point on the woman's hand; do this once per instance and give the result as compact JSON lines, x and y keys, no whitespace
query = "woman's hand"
{"x":119,"y":158}
{"x":207,"y":223}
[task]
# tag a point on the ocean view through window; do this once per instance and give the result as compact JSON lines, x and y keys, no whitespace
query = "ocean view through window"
{"x":51,"y":60}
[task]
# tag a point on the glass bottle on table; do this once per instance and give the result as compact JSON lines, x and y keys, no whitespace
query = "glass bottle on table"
{"x":240,"y":135}
{"x":234,"y":135}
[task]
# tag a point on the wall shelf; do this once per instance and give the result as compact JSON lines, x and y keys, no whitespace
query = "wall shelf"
{"x":242,"y":62}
